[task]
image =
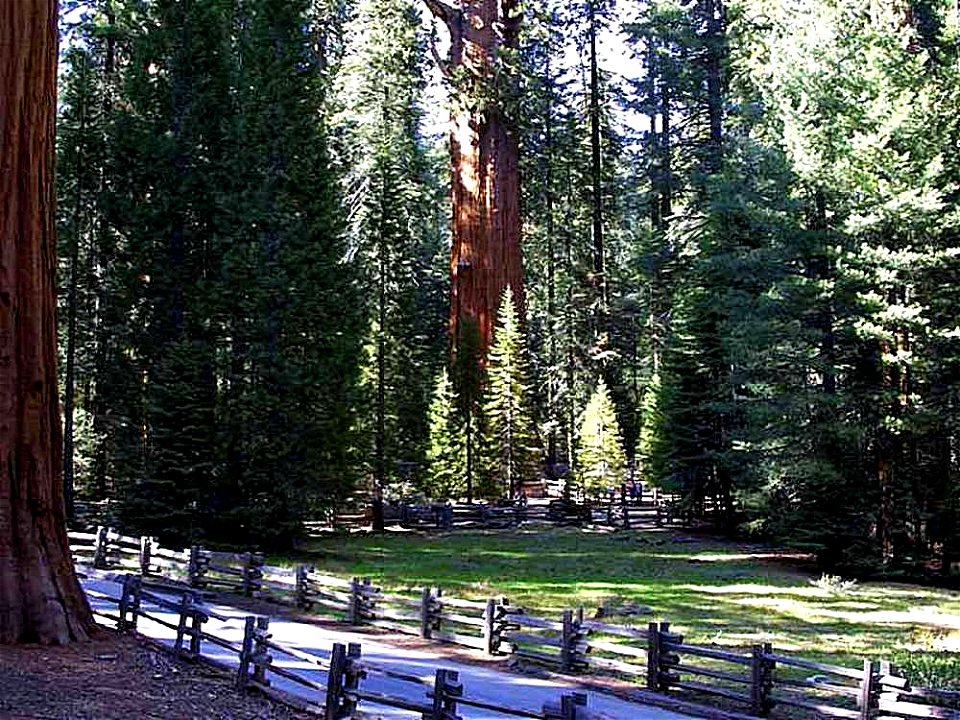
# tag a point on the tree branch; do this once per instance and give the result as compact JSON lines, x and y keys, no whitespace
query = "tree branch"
{"x":445,"y":12}
{"x":453,"y":18}
{"x":442,"y":64}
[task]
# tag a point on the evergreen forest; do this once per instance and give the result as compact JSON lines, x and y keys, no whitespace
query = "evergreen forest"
{"x":739,"y":223}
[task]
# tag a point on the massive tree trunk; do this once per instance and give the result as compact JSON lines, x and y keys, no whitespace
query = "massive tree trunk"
{"x":40,"y":598}
{"x":484,"y":153}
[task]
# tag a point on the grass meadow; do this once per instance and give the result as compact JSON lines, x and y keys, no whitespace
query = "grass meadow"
{"x":713,"y":591}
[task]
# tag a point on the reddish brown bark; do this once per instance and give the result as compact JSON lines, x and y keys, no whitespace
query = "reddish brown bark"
{"x":484,"y":154}
{"x":40,"y":598}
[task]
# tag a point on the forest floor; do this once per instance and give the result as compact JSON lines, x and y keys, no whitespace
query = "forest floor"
{"x":714,"y":591}
{"x":121,"y":678}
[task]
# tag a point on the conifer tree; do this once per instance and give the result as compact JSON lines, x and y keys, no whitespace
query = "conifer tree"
{"x":653,"y":436}
{"x":80,"y":159}
{"x":446,"y":450}
{"x":571,"y":162}
{"x":390,"y":187}
{"x":294,"y":312}
{"x":216,"y":318}
{"x":601,"y":460}
{"x":511,"y":443}
{"x":162,"y":215}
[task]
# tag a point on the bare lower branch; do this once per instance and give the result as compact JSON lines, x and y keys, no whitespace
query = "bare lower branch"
{"x":445,"y":12}
{"x":441,"y":63}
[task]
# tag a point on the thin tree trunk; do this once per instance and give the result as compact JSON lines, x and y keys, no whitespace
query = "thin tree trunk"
{"x":571,"y":373}
{"x":69,"y":384}
{"x":596,"y":179}
{"x":716,"y":51}
{"x":381,"y":430}
{"x":102,"y":336}
{"x":661,"y":206}
{"x":894,"y":383}
{"x":40,"y":598}
{"x":551,"y":273}
{"x":822,"y":271}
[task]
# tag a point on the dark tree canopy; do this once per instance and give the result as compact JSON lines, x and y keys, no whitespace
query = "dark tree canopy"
{"x":738,"y":216}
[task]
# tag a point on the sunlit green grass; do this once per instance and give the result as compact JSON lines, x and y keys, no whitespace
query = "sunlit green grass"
{"x":711,"y":591}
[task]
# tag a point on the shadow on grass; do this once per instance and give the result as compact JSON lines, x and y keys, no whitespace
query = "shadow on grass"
{"x":714,"y":592}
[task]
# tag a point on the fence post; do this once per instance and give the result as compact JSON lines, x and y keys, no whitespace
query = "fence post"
{"x":100,"y":548}
{"x":565,"y":640}
{"x":447,"y":689}
{"x":889,"y":685}
{"x":338,"y":661}
{"x":568,"y":709}
{"x":303,"y":589}
{"x":867,"y":700}
{"x":136,"y":584}
{"x":761,"y":679}
{"x":653,"y":657}
{"x":570,"y":651}
{"x":252,"y":574}
{"x":352,"y":675}
{"x":426,"y":613}
{"x":123,"y":606}
{"x":624,"y":506}
{"x":196,"y":566}
{"x":353,"y":611}
{"x":261,"y":655}
{"x":245,"y":578}
{"x":246,"y":650}
{"x":491,"y":631}
{"x":196,"y":625}
{"x":368,"y":604}
{"x":146,"y":548}
{"x":129,"y":603}
{"x":186,"y":606}
{"x":570,"y":703}
{"x":667,"y":660}
{"x":343,"y":679}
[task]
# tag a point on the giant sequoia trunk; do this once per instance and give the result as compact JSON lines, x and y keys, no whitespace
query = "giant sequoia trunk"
{"x":484,"y":153}
{"x":40,"y":599}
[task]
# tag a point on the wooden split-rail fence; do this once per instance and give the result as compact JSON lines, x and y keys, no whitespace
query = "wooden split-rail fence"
{"x":344,"y":694}
{"x":760,"y":680}
{"x":196,"y":566}
{"x":620,"y":509}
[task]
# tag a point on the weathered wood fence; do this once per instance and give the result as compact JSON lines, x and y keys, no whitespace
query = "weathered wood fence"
{"x":622,"y":509}
{"x":196,"y":566}
{"x":342,"y":696}
{"x":761,"y":681}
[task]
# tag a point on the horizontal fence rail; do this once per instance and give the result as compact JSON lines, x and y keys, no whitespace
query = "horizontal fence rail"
{"x":758,"y":680}
{"x":342,"y":695}
{"x":625,"y":507}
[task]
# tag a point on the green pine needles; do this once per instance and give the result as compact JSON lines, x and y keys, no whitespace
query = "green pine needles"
{"x":447,"y":444}
{"x":511,"y":443}
{"x":601,"y":460}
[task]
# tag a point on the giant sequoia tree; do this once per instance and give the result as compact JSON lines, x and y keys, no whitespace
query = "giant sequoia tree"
{"x":484,"y":153}
{"x":40,"y":599}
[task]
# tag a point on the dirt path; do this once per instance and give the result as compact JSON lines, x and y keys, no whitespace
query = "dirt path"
{"x":120,"y":678}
